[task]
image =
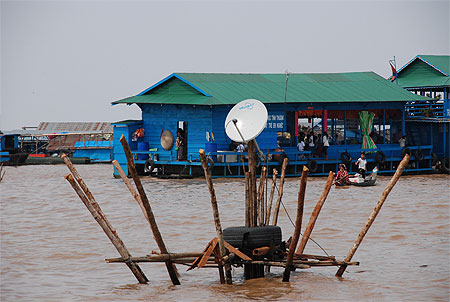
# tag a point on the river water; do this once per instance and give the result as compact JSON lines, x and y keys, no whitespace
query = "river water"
{"x":53,"y":250}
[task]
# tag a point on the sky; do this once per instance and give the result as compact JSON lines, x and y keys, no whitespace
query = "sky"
{"x":68,"y":60}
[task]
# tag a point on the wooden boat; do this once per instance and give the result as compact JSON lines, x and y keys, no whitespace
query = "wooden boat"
{"x":370,"y":180}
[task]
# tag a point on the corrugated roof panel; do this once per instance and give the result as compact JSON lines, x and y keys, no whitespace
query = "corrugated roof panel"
{"x":270,"y":88}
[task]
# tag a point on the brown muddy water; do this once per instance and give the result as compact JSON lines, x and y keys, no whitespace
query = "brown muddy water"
{"x":53,"y":250}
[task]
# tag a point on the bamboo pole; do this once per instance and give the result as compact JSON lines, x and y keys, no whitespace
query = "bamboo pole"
{"x":276,"y":210}
{"x":171,"y":269}
{"x":216,"y":216}
{"x":298,"y":224}
{"x":374,"y":214}
{"x":272,"y":191}
{"x":98,"y":215}
{"x":315,"y":214}
{"x":262,"y":180}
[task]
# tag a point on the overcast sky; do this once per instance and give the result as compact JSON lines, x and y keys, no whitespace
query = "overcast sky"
{"x":67,"y":60}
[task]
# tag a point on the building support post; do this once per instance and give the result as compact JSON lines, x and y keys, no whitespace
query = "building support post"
{"x":403,"y":122}
{"x":384,"y":126}
{"x":345,"y":126}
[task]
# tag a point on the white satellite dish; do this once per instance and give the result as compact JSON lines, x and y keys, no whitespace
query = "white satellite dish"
{"x":246,"y":120}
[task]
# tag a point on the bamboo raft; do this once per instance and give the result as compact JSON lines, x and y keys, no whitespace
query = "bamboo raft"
{"x":218,"y":253}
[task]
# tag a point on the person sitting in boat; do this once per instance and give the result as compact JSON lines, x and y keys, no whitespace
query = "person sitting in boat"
{"x":341,"y":176}
{"x":361,"y":163}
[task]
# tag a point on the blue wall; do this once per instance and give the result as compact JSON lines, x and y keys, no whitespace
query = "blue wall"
{"x":157,"y":118}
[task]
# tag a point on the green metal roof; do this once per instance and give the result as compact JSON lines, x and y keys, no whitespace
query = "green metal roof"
{"x":225,"y":88}
{"x":425,"y":71}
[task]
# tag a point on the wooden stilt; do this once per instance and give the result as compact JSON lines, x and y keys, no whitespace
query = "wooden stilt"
{"x":98,"y":215}
{"x":247,"y":199}
{"x":173,"y":273}
{"x":280,"y":193}
{"x":252,"y":183}
{"x":315,"y":214}
{"x":298,"y":224}
{"x":261,"y":197}
{"x":272,"y":191}
{"x":374,"y":214}
{"x":216,"y":215}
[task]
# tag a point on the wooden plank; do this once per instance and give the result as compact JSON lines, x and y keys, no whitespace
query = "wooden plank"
{"x":298,"y":224}
{"x":98,"y":215}
{"x":148,"y":211}
{"x":280,"y":192}
{"x":272,"y":192}
{"x":216,"y":215}
{"x":315,"y":213}
{"x":237,"y":252}
{"x":374,"y":214}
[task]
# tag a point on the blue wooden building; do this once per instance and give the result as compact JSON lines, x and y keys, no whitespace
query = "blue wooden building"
{"x":427,"y":122}
{"x":198,"y":104}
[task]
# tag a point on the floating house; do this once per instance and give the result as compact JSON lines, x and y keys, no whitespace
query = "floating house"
{"x":89,"y":141}
{"x":428,"y":121}
{"x":197,"y":104}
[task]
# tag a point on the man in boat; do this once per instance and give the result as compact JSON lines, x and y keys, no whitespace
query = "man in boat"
{"x":342,"y":176}
{"x":361,"y":163}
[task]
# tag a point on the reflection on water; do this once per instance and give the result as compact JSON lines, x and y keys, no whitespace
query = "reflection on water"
{"x":53,"y":250}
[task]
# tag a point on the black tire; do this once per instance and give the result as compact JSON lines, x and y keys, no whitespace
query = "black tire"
{"x":419,"y":154}
{"x":434,"y":159}
{"x":149,"y":166}
{"x":445,"y":165}
{"x":312,"y":166}
{"x":257,"y":236}
{"x":210,"y":163}
{"x":346,"y":157}
{"x":406,"y":151}
{"x":380,"y":157}
{"x":281,"y":159}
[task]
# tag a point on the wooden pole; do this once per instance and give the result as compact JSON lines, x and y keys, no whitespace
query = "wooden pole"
{"x":280,"y":192}
{"x":315,"y":213}
{"x":247,"y":199}
{"x":374,"y":214}
{"x":298,"y":224}
{"x":272,"y":191}
{"x":128,"y":184}
{"x":98,"y":215}
{"x":148,"y":211}
{"x":216,"y":215}
{"x":252,"y":184}
{"x":262,"y":180}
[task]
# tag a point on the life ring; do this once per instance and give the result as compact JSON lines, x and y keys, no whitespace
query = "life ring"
{"x":406,"y":151}
{"x":380,"y":157}
{"x":419,"y":154}
{"x":346,"y":157}
{"x":445,"y":165}
{"x":149,"y":166}
{"x":282,"y":157}
{"x":312,"y":166}
{"x":140,"y":132}
{"x":210,"y":163}
{"x":434,"y":159}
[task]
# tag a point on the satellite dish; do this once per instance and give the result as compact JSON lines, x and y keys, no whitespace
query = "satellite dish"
{"x":246,"y":120}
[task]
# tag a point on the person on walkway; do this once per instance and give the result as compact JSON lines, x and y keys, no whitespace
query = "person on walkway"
{"x":301,"y":148}
{"x":326,"y":144}
{"x":180,"y":144}
{"x":342,"y":176}
{"x":361,"y":163}
{"x":402,"y":141}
